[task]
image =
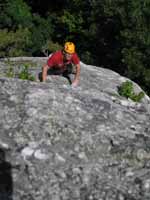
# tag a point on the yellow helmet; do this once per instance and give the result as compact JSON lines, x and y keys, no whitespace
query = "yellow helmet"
{"x":69,"y":47}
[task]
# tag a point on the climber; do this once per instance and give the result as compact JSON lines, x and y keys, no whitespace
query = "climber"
{"x":63,"y":62}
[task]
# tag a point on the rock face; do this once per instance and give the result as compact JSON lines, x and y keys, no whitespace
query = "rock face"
{"x":63,"y":143}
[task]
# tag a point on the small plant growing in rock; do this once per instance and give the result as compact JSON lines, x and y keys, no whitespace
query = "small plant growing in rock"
{"x":22,"y":74}
{"x":10,"y":72}
{"x":126,"y":90}
{"x":25,"y":75}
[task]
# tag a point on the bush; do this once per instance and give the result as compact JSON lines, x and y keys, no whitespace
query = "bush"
{"x":15,"y":13}
{"x":126,"y":90}
{"x":41,"y":32}
{"x":24,"y":74}
{"x":14,"y":43}
{"x":10,"y":72}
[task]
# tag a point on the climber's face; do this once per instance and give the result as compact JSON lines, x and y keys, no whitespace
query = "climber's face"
{"x":67,"y":56}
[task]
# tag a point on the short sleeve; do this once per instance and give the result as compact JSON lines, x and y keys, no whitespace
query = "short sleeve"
{"x":75,"y":59}
{"x":51,"y":60}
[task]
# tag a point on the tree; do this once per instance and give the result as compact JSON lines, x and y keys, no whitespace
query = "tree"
{"x":42,"y":31}
{"x":15,"y":13}
{"x":123,"y":31}
{"x":14,"y":43}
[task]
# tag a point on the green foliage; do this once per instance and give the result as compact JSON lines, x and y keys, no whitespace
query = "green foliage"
{"x":71,"y":22}
{"x":10,"y":72}
{"x":15,"y":13}
{"x":87,"y":57}
{"x":25,"y":75}
{"x":14,"y":43}
{"x":129,"y":35}
{"x":22,"y":73}
{"x":127,"y":90}
{"x":41,"y":32}
{"x":50,"y":47}
{"x":133,"y":58}
{"x":4,"y":19}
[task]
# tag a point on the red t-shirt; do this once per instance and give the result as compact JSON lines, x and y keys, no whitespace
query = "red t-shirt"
{"x":57,"y":61}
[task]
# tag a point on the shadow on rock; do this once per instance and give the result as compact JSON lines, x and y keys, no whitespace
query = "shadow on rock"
{"x":66,"y":74}
{"x":6,"y":184}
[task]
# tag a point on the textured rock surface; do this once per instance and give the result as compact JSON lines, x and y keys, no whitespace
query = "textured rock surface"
{"x":84,"y":143}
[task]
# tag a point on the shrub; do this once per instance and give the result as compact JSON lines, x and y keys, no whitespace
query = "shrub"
{"x":14,"y":43}
{"x":41,"y":32}
{"x":24,"y":74}
{"x":127,"y":90}
{"x":10,"y":72}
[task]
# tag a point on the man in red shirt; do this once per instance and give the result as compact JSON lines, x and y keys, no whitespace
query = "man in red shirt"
{"x":61,"y":61}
